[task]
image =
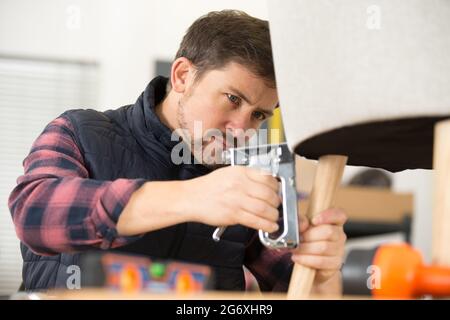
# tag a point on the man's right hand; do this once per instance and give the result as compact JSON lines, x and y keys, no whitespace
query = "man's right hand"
{"x":233,"y":195}
{"x":226,"y":196}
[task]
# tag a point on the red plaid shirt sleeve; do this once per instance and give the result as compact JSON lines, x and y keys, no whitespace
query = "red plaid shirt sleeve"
{"x":56,"y":208}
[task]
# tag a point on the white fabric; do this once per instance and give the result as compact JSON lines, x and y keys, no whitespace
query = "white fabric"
{"x":334,"y":67}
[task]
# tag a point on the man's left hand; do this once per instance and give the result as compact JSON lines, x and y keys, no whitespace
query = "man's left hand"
{"x":322,"y":244}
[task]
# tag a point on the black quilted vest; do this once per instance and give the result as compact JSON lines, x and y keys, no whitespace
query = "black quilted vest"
{"x":131,"y":142}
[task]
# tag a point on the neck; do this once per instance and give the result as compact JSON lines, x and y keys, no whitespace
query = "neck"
{"x":166,"y":111}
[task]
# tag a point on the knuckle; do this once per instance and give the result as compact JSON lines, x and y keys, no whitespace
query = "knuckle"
{"x":259,"y":224}
{"x":323,"y":248}
{"x":265,"y":209}
{"x":270,"y":216}
{"x":234,"y":184}
{"x":275,"y":214}
{"x":272,"y":179}
{"x":240,"y":217}
{"x":276,"y":183}
{"x":268,"y":179}
{"x":336,"y":263}
{"x":229,"y":183}
{"x":259,"y":207}
{"x":343,"y":216}
{"x":268,"y":194}
{"x":323,"y":263}
{"x":271,"y":197}
{"x":231,"y":214}
{"x":265,"y":225}
{"x":339,"y":213}
{"x":329,"y":232}
{"x":276,"y":199}
{"x":234,"y":174}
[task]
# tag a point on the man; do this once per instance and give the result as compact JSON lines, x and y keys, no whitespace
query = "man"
{"x":107,"y":180}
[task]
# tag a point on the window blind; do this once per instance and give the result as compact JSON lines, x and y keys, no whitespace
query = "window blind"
{"x":32,"y":93}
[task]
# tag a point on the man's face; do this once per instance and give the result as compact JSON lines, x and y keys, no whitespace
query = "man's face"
{"x":229,"y":101}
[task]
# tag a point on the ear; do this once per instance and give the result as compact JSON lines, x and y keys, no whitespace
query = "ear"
{"x":181,"y":74}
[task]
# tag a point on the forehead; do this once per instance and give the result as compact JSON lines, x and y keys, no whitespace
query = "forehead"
{"x":237,"y":76}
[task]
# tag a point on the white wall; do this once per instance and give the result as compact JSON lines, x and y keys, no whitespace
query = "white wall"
{"x":420,"y":182}
{"x":134,"y":36}
{"x":124,"y":36}
{"x":45,"y":28}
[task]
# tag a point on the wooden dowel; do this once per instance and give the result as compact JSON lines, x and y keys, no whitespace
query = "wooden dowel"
{"x":441,"y":210}
{"x":326,"y":181}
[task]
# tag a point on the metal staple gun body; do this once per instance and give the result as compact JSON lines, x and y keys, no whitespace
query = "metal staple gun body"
{"x":277,"y":160}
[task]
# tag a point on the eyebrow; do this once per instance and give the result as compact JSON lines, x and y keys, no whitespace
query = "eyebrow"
{"x":268,"y":113}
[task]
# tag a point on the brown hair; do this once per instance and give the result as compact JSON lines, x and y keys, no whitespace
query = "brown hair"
{"x":220,"y":37}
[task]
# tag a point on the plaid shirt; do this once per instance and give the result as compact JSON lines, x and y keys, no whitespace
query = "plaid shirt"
{"x":57,"y":208}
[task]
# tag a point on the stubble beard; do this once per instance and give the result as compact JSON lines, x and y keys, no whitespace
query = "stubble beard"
{"x":211,"y":162}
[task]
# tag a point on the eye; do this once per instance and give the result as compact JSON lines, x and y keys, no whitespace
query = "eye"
{"x":234,"y":99}
{"x":259,"y":116}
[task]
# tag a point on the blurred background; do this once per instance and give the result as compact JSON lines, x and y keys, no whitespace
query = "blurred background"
{"x":57,"y":55}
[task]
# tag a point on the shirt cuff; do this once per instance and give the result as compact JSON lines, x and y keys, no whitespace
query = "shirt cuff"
{"x":109,"y":208}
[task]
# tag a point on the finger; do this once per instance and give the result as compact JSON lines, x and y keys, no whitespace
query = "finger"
{"x":260,"y":176}
{"x":265,"y":193}
{"x":321,"y":248}
{"x":304,"y":224}
{"x":324,"y":232}
{"x":252,"y":221}
{"x":318,"y":262}
{"x":260,"y":208}
{"x":330,"y":216}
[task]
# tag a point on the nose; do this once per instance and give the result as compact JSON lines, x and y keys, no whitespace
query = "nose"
{"x":237,"y":126}
{"x":238,"y":122}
